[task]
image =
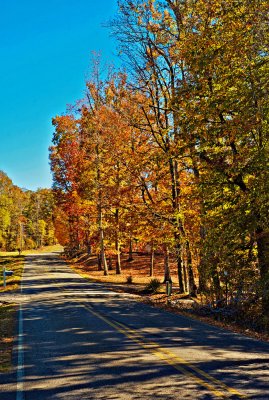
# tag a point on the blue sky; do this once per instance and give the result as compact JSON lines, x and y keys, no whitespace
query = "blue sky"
{"x":45,"y":52}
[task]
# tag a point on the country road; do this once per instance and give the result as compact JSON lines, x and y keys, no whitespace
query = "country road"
{"x":78,"y":340}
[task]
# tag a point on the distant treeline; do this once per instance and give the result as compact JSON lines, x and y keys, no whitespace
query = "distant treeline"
{"x":26,"y":217}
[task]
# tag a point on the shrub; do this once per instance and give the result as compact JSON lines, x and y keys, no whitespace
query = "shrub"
{"x":129,"y":279}
{"x":153,"y":286}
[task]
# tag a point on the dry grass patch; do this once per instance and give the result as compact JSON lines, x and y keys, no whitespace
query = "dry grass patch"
{"x":7,"y":329}
{"x":45,"y":249}
{"x":14,"y":263}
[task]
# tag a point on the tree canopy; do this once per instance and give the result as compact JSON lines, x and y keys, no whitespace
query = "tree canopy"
{"x":174,"y":151}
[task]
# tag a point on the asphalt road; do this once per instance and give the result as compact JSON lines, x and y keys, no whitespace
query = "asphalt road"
{"x":78,"y":340}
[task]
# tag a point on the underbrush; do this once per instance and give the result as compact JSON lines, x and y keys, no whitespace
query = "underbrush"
{"x":244,"y":315}
{"x":153,"y":286}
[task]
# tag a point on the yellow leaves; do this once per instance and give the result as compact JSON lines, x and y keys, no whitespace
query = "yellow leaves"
{"x":166,"y":15}
{"x":151,"y":5}
{"x":153,"y":27}
{"x":155,"y":14}
{"x":109,"y":94}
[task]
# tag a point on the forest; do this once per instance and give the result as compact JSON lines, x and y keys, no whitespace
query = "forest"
{"x":26,"y":217}
{"x":171,"y":151}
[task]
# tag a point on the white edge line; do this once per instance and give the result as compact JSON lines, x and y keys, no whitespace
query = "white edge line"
{"x":20,"y":364}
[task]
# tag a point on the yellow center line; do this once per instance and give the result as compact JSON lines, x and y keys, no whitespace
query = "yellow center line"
{"x":171,"y":359}
{"x":189,"y":365}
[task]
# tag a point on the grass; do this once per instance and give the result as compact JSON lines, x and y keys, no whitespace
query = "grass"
{"x":7,"y":328}
{"x":45,"y":249}
{"x":11,"y":262}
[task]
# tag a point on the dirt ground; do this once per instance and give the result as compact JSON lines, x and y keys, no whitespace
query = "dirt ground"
{"x":138,"y":269}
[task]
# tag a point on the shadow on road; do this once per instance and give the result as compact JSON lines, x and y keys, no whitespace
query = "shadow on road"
{"x":69,"y":353}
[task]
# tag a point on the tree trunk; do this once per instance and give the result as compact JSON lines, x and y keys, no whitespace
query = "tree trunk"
{"x":117,"y":244}
{"x":118,"y":263}
{"x":89,"y":249}
{"x":99,"y":259}
{"x":102,"y":247}
{"x":100,"y":212}
{"x":167,"y":273}
{"x":185,"y":268}
{"x":179,"y":263}
{"x":110,"y":266}
{"x":130,"y":250}
{"x":216,"y":280}
{"x":88,"y":243}
{"x":104,"y":263}
{"x":263,"y":261}
{"x":192,"y":286}
{"x":152,"y":254}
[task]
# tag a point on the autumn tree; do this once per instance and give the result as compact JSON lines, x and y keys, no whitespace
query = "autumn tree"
{"x":207,"y":110}
{"x":66,"y":157}
{"x":150,"y":54}
{"x":224,"y":115}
